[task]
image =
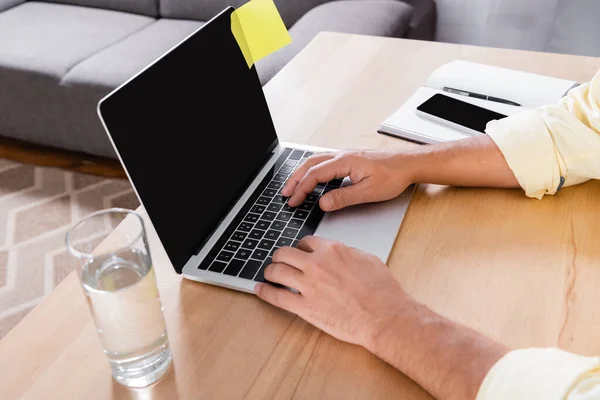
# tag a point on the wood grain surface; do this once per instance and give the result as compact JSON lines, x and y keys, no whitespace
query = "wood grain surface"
{"x":523,"y":271}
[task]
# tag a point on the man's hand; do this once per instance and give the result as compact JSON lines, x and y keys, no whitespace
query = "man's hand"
{"x":376,"y":176}
{"x":343,"y":291}
{"x":379,"y":175}
{"x":354,"y":297}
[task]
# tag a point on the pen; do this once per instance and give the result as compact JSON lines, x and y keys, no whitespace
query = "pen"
{"x":479,"y":96}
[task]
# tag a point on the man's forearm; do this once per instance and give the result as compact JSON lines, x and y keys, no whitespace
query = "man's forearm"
{"x":475,"y":161}
{"x":447,"y":359}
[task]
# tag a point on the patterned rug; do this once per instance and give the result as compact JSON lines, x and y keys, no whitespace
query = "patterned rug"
{"x":37,"y":205}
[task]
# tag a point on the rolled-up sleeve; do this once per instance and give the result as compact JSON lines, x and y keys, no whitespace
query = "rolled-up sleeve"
{"x":542,"y":373}
{"x":555,"y":145}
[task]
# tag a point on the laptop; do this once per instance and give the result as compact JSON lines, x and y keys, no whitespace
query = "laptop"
{"x":194,"y":134}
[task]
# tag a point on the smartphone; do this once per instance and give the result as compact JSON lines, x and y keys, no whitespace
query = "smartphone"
{"x":457,"y":114}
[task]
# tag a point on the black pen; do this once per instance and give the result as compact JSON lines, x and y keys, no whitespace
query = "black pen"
{"x":479,"y":96}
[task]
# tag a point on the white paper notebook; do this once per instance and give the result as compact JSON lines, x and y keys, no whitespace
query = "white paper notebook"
{"x":529,"y":90}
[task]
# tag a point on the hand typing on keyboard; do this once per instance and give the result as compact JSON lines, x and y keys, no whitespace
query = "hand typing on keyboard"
{"x":376,"y":176}
{"x":354,"y":297}
{"x":343,"y":291}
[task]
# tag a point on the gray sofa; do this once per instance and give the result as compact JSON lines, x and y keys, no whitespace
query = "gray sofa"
{"x":59,"y":57}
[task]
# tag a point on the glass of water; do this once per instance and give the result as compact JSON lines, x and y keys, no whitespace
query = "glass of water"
{"x":120,"y":286}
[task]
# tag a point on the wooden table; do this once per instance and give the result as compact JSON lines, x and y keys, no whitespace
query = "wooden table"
{"x":523,"y":271}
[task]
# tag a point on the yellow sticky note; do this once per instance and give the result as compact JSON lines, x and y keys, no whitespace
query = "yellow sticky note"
{"x":258,"y":29}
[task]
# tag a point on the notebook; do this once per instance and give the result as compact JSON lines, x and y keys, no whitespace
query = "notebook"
{"x":524,"y":88}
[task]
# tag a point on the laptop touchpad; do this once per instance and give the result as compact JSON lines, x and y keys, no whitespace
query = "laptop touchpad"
{"x":371,"y":227}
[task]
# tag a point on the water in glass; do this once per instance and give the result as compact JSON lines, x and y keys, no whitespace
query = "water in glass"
{"x":125,"y":304}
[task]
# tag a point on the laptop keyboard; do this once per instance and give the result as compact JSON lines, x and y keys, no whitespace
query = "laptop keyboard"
{"x":267,"y":222}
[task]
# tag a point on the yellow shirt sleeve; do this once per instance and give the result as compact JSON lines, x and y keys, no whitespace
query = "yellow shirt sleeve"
{"x":537,"y":373}
{"x":555,"y":145}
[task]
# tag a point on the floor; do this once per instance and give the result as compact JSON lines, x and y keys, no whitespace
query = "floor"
{"x":37,"y":205}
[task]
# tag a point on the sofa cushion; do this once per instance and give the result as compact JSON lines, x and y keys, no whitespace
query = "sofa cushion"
{"x":6,"y":4}
{"x":200,"y":10}
{"x":290,"y":10}
{"x":423,"y":21}
{"x":111,"y":67}
{"x":51,"y":38}
{"x":368,"y":17}
{"x":143,"y":7}
{"x":39,"y":43}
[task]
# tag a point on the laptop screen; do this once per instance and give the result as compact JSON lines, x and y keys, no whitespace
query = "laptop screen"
{"x":192,"y":130}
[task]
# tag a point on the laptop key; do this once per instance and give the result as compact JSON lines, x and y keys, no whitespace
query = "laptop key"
{"x":295,"y":223}
{"x":262,"y":224}
{"x":251,"y":218}
{"x":284,"y":216}
{"x":224,"y":256}
{"x":311,"y":223}
{"x":206,"y":262}
{"x":243,"y":254}
{"x":217,"y":266}
{"x":308,"y":154}
{"x":250,"y":244}
{"x":234,"y":267}
{"x":266,"y":244}
{"x":245,"y":227}
{"x":269,"y":216}
{"x":269,"y":192}
{"x":250,"y":269}
{"x":296,"y":155}
{"x":300,"y":214}
{"x":274,"y":207}
{"x":289,"y":163}
{"x":306,"y":206}
{"x":239,"y":236}
{"x":285,"y":170}
{"x":318,"y":189}
{"x":260,"y":254}
{"x":260,"y":276}
{"x":312,"y":197}
{"x":272,"y":234}
{"x":258,"y":209}
{"x":283,"y":241}
{"x":231,"y":246}
{"x":263,"y":200}
{"x":284,"y":156}
{"x":279,"y":225}
{"x":290,"y":232}
{"x":287,"y":208}
{"x":279,"y":199}
{"x":262,"y":271}
{"x":275,"y":185}
{"x":273,"y":250}
{"x":256,"y":234}
{"x":295,"y":243}
{"x":280,"y":177}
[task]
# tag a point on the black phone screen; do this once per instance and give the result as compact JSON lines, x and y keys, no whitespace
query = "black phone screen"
{"x":459,"y":112}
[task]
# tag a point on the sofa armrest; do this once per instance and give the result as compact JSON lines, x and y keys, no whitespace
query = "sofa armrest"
{"x":6,"y":4}
{"x":424,"y":20}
